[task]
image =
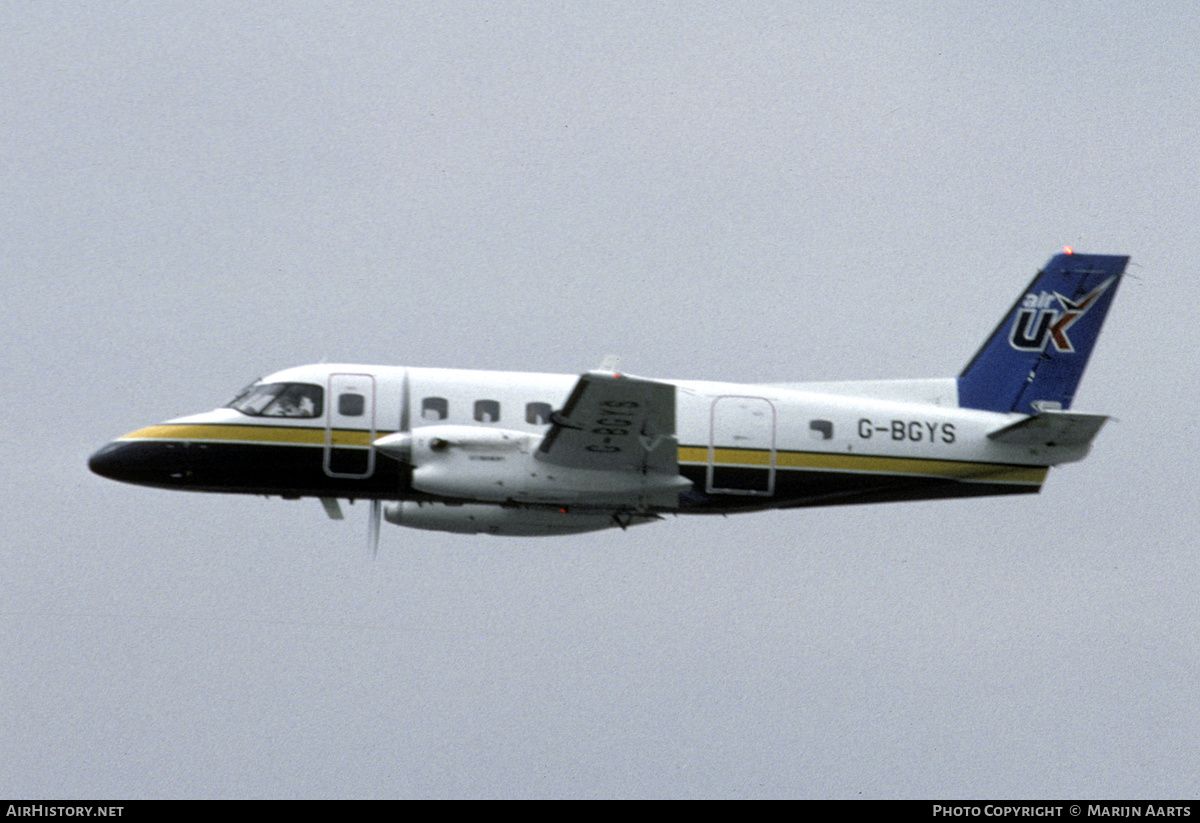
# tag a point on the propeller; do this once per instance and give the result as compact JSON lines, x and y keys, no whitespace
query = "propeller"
{"x":373,"y":528}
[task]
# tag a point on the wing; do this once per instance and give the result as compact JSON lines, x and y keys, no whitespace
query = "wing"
{"x":614,"y":422}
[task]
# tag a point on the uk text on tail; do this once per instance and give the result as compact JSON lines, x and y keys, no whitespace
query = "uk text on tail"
{"x":1034,"y":359}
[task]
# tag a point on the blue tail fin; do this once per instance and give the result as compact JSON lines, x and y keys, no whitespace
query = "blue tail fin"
{"x":1035,"y":357}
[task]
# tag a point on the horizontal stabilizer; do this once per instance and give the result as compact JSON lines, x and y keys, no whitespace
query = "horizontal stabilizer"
{"x":1051,"y":429}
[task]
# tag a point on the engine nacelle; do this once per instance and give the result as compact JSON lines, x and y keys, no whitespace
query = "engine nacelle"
{"x":476,"y":463}
{"x":515,"y":521}
{"x":465,"y":462}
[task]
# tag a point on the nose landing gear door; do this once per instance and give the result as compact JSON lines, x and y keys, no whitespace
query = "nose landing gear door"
{"x":350,"y":426}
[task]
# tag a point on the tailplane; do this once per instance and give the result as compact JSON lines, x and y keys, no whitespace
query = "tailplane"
{"x":1034,"y":359}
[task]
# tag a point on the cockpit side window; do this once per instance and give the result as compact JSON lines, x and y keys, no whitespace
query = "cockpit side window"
{"x":280,"y":400}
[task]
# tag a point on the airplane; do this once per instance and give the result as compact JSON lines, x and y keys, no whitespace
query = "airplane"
{"x":525,"y":454}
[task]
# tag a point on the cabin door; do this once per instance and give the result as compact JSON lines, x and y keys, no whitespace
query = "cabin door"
{"x":741,"y":446}
{"x":350,"y":426}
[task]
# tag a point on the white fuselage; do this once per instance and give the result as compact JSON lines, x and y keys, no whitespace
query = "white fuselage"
{"x":739,"y":446}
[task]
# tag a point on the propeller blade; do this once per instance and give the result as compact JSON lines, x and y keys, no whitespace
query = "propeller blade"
{"x":373,"y":528}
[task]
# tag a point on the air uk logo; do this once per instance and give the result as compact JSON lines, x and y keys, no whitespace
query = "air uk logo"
{"x":1043,"y":319}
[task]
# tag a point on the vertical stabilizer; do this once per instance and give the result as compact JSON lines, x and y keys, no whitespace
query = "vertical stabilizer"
{"x":1034,"y":359}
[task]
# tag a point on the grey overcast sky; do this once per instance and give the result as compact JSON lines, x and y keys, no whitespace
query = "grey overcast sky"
{"x":195,"y":194}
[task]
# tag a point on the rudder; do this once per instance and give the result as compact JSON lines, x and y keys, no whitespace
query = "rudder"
{"x":1035,"y":358}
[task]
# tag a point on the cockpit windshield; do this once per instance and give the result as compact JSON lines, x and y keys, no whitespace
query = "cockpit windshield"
{"x":279,"y":400}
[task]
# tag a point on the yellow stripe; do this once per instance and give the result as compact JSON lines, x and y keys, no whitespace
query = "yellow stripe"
{"x":818,"y":461}
{"x":812,"y":461}
{"x":294,"y":435}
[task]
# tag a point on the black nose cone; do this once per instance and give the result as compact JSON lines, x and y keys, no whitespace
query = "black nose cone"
{"x":110,"y":462}
{"x":143,"y":462}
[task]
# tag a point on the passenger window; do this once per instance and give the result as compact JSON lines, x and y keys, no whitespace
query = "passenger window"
{"x":537,"y":414}
{"x":434,"y":408}
{"x":351,"y":405}
{"x":820,"y":429}
{"x":487,"y":411}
